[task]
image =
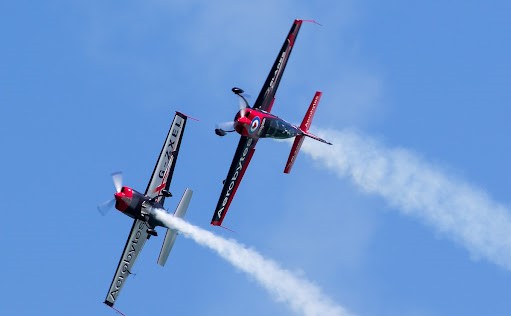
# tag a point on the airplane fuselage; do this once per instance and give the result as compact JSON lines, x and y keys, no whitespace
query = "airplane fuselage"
{"x":260,"y":124}
{"x":138,"y":206}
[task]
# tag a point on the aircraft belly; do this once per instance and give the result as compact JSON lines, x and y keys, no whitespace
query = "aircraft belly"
{"x":153,"y":219}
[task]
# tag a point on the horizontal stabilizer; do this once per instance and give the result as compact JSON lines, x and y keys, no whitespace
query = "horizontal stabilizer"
{"x":317,"y":138}
{"x":170,"y":236}
{"x":294,"y":152}
{"x":307,"y":120}
{"x":304,"y":127}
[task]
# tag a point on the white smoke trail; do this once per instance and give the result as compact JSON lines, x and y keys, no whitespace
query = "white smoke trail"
{"x":301,"y":295}
{"x":463,"y":212}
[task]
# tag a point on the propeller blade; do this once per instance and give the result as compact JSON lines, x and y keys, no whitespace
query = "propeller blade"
{"x":117,"y":178}
{"x":243,"y":105}
{"x":226,"y":126}
{"x":104,"y":207}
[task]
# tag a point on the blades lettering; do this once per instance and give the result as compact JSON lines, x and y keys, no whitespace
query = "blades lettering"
{"x":275,"y":74}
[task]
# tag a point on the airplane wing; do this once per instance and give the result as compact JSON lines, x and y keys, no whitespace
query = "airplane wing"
{"x":164,"y":168}
{"x":244,"y":152}
{"x":134,"y":244}
{"x":267,"y":95}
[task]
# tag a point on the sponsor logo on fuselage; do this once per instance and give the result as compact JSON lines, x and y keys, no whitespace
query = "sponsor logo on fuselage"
{"x":235,"y":176}
{"x":126,"y":262}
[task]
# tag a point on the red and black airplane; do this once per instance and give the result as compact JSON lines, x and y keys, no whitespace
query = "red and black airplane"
{"x":146,"y":208}
{"x":257,"y":122}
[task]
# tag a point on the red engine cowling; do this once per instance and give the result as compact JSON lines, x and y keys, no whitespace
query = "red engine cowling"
{"x":129,"y":202}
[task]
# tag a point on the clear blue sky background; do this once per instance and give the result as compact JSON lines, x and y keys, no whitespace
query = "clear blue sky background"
{"x":90,"y":87}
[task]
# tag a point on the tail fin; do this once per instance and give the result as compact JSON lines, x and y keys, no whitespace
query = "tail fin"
{"x":170,"y":236}
{"x":304,"y":127}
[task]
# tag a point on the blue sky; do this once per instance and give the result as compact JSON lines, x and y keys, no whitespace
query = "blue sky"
{"x":88,"y":88}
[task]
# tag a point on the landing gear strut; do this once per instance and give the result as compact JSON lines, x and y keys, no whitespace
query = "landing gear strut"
{"x":152,"y":232}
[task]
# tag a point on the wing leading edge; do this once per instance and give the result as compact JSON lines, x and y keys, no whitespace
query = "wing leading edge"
{"x":242,"y":156}
{"x":267,"y":95}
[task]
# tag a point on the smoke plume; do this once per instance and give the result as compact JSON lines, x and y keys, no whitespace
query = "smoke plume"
{"x":457,"y":209}
{"x":301,"y":295}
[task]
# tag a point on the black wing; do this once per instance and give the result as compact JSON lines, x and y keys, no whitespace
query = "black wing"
{"x":164,"y":168}
{"x":244,"y":152}
{"x":267,"y":95}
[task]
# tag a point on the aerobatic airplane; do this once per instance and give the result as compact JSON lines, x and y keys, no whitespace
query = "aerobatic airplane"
{"x":257,"y":122}
{"x":143,"y":208}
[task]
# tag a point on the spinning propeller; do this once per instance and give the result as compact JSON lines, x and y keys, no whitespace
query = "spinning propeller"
{"x":243,"y":103}
{"x":117,"y":179}
{"x":225,"y":127}
{"x":104,"y":207}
